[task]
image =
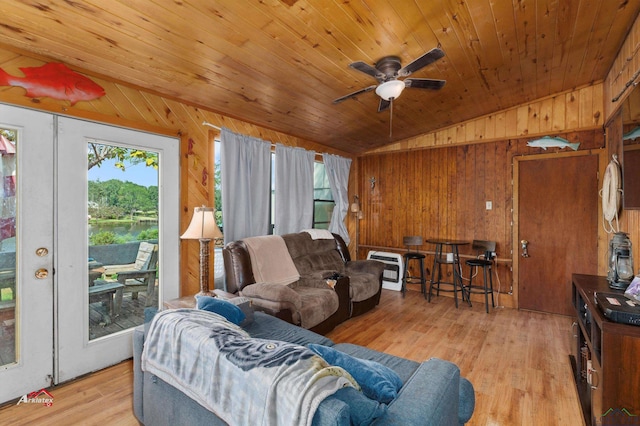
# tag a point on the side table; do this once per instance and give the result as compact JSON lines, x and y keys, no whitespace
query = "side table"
{"x":190,"y":301}
{"x":181,"y":302}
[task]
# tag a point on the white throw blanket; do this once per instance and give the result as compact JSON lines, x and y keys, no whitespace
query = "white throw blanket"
{"x":244,"y":381}
{"x":319,"y":234}
{"x":270,"y":260}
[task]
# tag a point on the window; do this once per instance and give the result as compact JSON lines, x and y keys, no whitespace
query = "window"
{"x":323,"y":202}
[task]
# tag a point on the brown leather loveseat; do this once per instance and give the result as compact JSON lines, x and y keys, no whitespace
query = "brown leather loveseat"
{"x":309,"y":301}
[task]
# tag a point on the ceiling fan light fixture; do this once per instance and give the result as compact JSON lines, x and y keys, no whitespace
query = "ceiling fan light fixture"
{"x":390,"y":89}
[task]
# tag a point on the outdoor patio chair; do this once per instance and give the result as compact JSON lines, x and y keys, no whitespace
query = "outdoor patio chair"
{"x":138,"y":276}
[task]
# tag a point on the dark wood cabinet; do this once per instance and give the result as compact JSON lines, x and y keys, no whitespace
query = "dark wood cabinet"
{"x":605,"y":359}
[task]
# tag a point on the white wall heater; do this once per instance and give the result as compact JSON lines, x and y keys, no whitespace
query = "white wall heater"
{"x":393,"y":269}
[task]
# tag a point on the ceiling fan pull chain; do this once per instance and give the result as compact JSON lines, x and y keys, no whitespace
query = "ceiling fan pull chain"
{"x":390,"y":117}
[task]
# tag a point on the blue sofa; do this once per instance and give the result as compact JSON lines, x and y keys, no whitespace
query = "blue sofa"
{"x":433,"y":393}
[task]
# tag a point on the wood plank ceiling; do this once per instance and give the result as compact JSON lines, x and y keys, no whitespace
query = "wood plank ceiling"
{"x":280,"y":64}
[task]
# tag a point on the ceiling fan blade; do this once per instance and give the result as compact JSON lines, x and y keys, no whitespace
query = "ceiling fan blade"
{"x":383,"y":105}
{"x":367,"y":69}
{"x":424,"y":60}
{"x":424,"y":83}
{"x":354,"y":94}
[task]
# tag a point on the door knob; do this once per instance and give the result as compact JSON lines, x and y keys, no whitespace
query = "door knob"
{"x":525,"y":252}
{"x":42,"y":273}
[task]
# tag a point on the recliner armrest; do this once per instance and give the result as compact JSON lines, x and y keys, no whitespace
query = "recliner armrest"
{"x":368,"y":266}
{"x":274,"y":293}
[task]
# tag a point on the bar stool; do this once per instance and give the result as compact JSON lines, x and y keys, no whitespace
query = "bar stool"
{"x":484,"y":250}
{"x":415,"y":242}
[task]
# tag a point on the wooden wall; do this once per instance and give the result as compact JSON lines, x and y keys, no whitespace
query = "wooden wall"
{"x":618,"y":87}
{"x":438,"y":183}
{"x":450,"y":174}
{"x":128,"y":106}
{"x":442,"y":192}
{"x":624,"y":73}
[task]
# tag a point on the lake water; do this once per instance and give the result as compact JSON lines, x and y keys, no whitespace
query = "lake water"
{"x":9,"y":244}
{"x":121,"y":229}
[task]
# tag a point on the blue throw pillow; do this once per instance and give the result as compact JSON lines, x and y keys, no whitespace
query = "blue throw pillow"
{"x":244,"y":303}
{"x":221,"y":307}
{"x":377,"y":381}
{"x":362,"y":410}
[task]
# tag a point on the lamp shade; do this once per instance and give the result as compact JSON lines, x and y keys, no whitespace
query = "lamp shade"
{"x":390,"y":89}
{"x":203,"y":225}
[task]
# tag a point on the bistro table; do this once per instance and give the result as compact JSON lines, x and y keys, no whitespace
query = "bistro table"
{"x":453,"y":260}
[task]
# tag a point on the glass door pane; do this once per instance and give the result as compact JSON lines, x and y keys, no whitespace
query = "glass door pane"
{"x":117,"y":239}
{"x":8,"y":290}
{"x":123,"y":214}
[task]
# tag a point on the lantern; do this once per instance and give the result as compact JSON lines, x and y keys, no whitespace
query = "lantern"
{"x":620,"y":261}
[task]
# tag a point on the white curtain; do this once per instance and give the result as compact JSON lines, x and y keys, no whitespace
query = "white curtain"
{"x":245,"y":164}
{"x":294,"y":189}
{"x":337,"y":169}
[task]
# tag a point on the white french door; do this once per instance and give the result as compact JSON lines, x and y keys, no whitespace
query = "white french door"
{"x":49,"y":339}
{"x":77,"y":351}
{"x":26,"y":308}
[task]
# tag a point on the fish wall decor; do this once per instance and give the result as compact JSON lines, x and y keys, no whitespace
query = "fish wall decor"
{"x":54,"y":80}
{"x":549,"y":142}
{"x":635,"y":133}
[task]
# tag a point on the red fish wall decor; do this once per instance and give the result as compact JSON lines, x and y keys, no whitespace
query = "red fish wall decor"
{"x":54,"y":80}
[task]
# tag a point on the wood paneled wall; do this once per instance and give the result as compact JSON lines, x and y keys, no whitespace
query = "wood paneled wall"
{"x":618,"y":87}
{"x":442,"y":192}
{"x":451,"y":174}
{"x":564,"y":112}
{"x":455,"y":170}
{"x":128,"y":106}
{"x":624,"y":73}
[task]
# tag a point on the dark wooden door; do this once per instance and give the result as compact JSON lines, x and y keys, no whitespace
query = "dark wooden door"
{"x":558,"y":216}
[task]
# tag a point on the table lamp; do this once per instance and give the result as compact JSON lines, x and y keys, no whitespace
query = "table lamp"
{"x":203,"y":228}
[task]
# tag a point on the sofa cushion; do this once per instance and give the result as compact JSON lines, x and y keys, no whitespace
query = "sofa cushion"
{"x":403,"y":367}
{"x":312,"y":255}
{"x":378,"y":381}
{"x":269,"y":327}
{"x":221,"y":307}
{"x":318,"y":304}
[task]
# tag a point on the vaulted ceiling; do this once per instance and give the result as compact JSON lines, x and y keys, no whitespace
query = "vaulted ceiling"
{"x":281,"y":63}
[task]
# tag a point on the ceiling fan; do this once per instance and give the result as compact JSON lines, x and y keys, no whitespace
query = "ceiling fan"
{"x":387,"y":71}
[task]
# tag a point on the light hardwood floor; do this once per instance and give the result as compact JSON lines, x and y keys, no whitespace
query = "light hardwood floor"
{"x":517,"y":361}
